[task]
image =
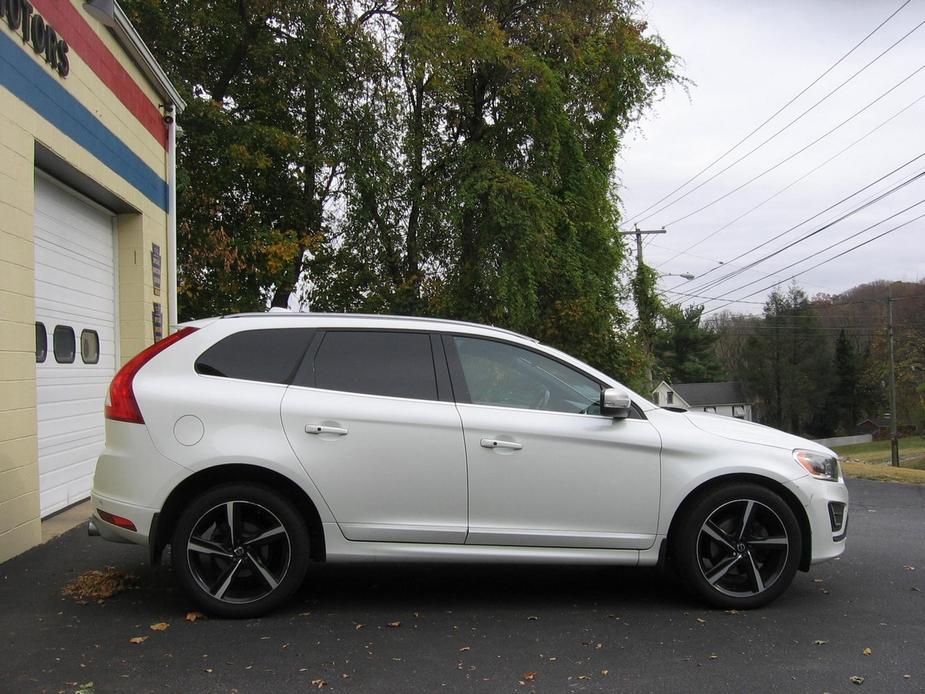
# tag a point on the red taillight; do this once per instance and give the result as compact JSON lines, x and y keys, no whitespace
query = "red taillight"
{"x":120,"y":403}
{"x":117,"y":520}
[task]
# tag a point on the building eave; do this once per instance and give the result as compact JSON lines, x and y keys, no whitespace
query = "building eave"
{"x":140,"y":53}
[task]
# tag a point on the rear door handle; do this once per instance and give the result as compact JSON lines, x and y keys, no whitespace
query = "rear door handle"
{"x":495,"y":443}
{"x":323,"y":429}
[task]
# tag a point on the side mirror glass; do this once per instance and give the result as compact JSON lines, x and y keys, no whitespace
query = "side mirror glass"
{"x":615,"y":402}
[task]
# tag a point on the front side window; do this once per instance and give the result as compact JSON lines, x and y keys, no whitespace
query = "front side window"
{"x":396,"y":364}
{"x":270,"y":356}
{"x":65,"y":344}
{"x":505,"y":375}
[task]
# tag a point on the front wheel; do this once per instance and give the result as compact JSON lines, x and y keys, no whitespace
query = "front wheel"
{"x":738,"y":546}
{"x":240,"y":550}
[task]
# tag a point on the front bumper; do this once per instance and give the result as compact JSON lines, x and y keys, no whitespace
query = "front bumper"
{"x":821,"y":500}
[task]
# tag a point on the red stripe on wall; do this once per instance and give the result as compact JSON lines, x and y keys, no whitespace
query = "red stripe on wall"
{"x":70,"y":25}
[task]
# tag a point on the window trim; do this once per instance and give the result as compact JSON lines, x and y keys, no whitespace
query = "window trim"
{"x":459,"y":381}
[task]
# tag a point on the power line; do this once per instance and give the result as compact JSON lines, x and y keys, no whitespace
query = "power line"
{"x":864,"y":205}
{"x":785,"y":189}
{"x":837,"y":243}
{"x":798,"y":152}
{"x":773,"y":115}
{"x":829,"y":260}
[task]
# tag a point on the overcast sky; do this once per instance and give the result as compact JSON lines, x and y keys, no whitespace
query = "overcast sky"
{"x":744,"y":61}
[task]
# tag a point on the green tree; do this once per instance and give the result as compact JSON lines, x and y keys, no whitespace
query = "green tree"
{"x":452,"y":158}
{"x":685,"y":349}
{"x":844,"y":396}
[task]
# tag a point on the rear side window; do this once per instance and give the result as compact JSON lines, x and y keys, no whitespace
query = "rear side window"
{"x":270,"y":356}
{"x":396,"y":364}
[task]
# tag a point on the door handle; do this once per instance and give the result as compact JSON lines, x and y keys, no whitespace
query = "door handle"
{"x":495,"y":443}
{"x":322,"y":429}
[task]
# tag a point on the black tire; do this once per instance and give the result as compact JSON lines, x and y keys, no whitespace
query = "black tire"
{"x":240,"y":550}
{"x":731,"y":566}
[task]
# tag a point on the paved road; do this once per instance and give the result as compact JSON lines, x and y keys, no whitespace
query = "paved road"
{"x":485,"y":628}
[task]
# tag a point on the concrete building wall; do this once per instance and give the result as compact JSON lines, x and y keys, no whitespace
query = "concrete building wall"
{"x":101,"y":122}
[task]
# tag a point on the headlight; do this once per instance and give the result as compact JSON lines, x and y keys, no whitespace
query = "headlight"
{"x":820,"y":466}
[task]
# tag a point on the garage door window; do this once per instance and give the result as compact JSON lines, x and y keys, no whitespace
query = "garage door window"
{"x":90,"y":346}
{"x":64,"y":344}
{"x":41,"y":343}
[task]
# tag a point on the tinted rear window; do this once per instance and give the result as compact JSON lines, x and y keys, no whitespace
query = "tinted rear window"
{"x":270,"y":356}
{"x":396,"y":364}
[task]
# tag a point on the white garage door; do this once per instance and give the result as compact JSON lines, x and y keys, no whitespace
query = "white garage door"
{"x":75,"y":286}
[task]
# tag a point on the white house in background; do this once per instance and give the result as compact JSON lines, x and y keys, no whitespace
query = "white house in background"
{"x":725,"y":398}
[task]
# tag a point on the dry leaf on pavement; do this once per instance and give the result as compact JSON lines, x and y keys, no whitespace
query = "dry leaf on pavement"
{"x":856,"y":679}
{"x":193,"y":616}
{"x":394,"y":625}
{"x":99,"y":584}
{"x":160,"y":626}
{"x":138,"y":639}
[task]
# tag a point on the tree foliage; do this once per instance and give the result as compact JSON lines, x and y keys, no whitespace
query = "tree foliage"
{"x":684,"y":348}
{"x":451,"y":158}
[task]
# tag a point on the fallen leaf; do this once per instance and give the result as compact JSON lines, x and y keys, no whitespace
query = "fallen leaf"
{"x":529,"y":676}
{"x":99,"y":584}
{"x":319,"y":683}
{"x":193,"y":616}
{"x":584,"y":677}
{"x":344,"y":676}
{"x":908,"y":567}
{"x":138,"y":639}
{"x":465,"y":648}
{"x":160,"y":626}
{"x":86,"y":688}
{"x":714,"y":657}
{"x":605,"y":672}
{"x":867,"y":651}
{"x":820,"y":642}
{"x":532,"y":618}
{"x":359,"y":626}
{"x":818,"y":580}
{"x":732,"y":612}
{"x":702,"y":621}
{"x":907,"y":677}
{"x":856,"y":679}
{"x":209,"y":670}
{"x":394,"y":625}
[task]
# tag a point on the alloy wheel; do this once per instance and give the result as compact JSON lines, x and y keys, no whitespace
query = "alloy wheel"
{"x":238,"y":552}
{"x":742,"y":548}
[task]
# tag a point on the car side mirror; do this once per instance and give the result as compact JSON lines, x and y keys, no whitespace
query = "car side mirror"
{"x":616,"y":403}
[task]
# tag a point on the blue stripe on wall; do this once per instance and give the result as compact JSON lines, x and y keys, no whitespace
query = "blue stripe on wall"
{"x":46,"y":96}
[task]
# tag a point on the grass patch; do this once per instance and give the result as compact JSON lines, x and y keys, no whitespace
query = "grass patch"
{"x":883,"y":473}
{"x":911,"y":452}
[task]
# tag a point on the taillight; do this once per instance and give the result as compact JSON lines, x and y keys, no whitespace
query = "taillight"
{"x":120,"y":402}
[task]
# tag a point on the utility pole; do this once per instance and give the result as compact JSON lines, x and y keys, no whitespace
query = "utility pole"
{"x":646,"y":319}
{"x":894,"y":439}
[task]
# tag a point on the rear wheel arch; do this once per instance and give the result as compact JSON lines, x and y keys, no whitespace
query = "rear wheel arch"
{"x":166,"y":519}
{"x":772,"y":485}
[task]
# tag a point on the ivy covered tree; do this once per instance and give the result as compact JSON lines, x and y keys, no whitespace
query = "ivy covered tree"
{"x":442,"y":157}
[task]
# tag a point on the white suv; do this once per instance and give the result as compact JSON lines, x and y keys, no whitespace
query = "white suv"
{"x":254,"y":444}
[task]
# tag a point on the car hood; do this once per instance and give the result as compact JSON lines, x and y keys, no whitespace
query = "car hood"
{"x":750,"y":432}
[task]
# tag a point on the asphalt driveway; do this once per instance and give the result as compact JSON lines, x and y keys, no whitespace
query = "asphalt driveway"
{"x":405,"y":628}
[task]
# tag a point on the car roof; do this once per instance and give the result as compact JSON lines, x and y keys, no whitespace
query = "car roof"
{"x":346,"y":318}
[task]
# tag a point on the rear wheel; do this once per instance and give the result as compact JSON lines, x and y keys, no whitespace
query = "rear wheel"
{"x":738,"y":546}
{"x":240,"y":550}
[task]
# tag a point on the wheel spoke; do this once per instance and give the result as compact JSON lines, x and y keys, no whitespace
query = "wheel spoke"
{"x":721,"y":569}
{"x":717,"y":533}
{"x":746,"y":517}
{"x":753,"y":573}
{"x":197,"y":544}
{"x":265,"y":536}
{"x":774,"y":543}
{"x":267,"y":576}
{"x":224,"y":581}
{"x":234,"y":522}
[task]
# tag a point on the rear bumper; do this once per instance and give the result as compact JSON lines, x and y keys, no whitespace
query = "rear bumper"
{"x":141,"y":516}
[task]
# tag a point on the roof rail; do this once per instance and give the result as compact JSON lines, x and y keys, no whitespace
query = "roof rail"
{"x":423,"y":319}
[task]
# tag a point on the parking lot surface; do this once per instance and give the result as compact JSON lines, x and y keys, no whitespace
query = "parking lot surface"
{"x":431,"y":628}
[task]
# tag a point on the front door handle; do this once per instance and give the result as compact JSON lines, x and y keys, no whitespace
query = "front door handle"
{"x":495,"y":443}
{"x":323,"y":429}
